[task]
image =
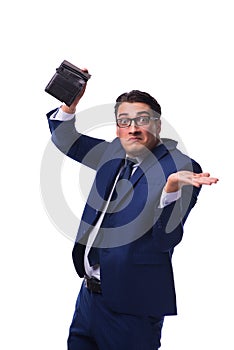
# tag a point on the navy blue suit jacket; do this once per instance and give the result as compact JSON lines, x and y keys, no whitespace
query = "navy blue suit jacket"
{"x":137,"y":238}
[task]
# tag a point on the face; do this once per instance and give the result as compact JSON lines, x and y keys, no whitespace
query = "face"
{"x":136,"y":140}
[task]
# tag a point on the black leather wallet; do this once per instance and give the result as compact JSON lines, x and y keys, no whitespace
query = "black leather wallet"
{"x":67,"y":82}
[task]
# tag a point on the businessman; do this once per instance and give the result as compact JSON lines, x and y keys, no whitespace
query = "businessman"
{"x":143,"y":192}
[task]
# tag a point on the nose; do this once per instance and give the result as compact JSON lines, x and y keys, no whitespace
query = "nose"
{"x":133,"y":127}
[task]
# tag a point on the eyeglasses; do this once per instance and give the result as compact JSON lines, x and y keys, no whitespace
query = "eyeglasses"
{"x":138,"y":121}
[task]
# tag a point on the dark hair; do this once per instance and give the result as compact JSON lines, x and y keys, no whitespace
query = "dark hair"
{"x":138,"y":96}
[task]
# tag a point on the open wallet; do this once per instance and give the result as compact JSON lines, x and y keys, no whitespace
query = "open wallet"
{"x":67,"y":82}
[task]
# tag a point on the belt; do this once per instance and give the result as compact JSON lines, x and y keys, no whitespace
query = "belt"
{"x":93,"y":284}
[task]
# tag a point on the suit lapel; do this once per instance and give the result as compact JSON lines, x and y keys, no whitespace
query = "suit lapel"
{"x":111,"y":172}
{"x":107,"y":173}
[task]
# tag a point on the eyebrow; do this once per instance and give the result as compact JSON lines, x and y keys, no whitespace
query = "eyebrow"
{"x":138,"y":114}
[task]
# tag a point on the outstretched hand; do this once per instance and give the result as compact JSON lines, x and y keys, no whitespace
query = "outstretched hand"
{"x":182,"y":178}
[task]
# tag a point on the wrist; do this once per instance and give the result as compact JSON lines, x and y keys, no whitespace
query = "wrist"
{"x":172,"y":184}
{"x":169,"y":188}
{"x":67,"y":109}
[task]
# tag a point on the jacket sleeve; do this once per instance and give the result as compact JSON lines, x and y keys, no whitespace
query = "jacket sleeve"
{"x":169,"y":226}
{"x":82,"y":148}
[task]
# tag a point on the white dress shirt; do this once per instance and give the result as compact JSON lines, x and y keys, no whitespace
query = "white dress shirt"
{"x":166,"y":198}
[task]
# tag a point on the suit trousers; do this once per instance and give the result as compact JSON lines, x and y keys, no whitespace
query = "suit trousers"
{"x":96,"y":327}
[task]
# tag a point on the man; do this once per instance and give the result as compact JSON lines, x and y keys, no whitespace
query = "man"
{"x":130,"y":225}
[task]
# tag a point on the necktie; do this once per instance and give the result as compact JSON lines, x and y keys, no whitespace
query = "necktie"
{"x":125,"y":174}
{"x":127,"y":169}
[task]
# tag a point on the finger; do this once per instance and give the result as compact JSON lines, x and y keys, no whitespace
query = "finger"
{"x":85,"y":70}
{"x":202,"y":174}
{"x":206,"y":180}
{"x":206,"y":174}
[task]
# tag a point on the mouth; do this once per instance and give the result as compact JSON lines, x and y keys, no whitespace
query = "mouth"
{"x":134,"y":139}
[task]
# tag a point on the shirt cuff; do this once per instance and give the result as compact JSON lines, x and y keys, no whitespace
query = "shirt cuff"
{"x":168,"y":198}
{"x":62,"y":116}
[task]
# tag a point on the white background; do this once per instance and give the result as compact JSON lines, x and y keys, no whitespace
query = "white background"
{"x":182,"y":53}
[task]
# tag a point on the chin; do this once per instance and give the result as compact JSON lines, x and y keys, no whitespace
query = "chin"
{"x":136,"y":151}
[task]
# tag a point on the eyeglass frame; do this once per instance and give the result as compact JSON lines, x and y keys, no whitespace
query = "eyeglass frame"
{"x":130,"y":120}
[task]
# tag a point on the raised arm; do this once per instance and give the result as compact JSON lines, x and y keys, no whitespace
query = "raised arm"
{"x":82,"y":148}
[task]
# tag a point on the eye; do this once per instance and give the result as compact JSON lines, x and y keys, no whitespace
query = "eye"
{"x":143,"y":119}
{"x":123,"y":121}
